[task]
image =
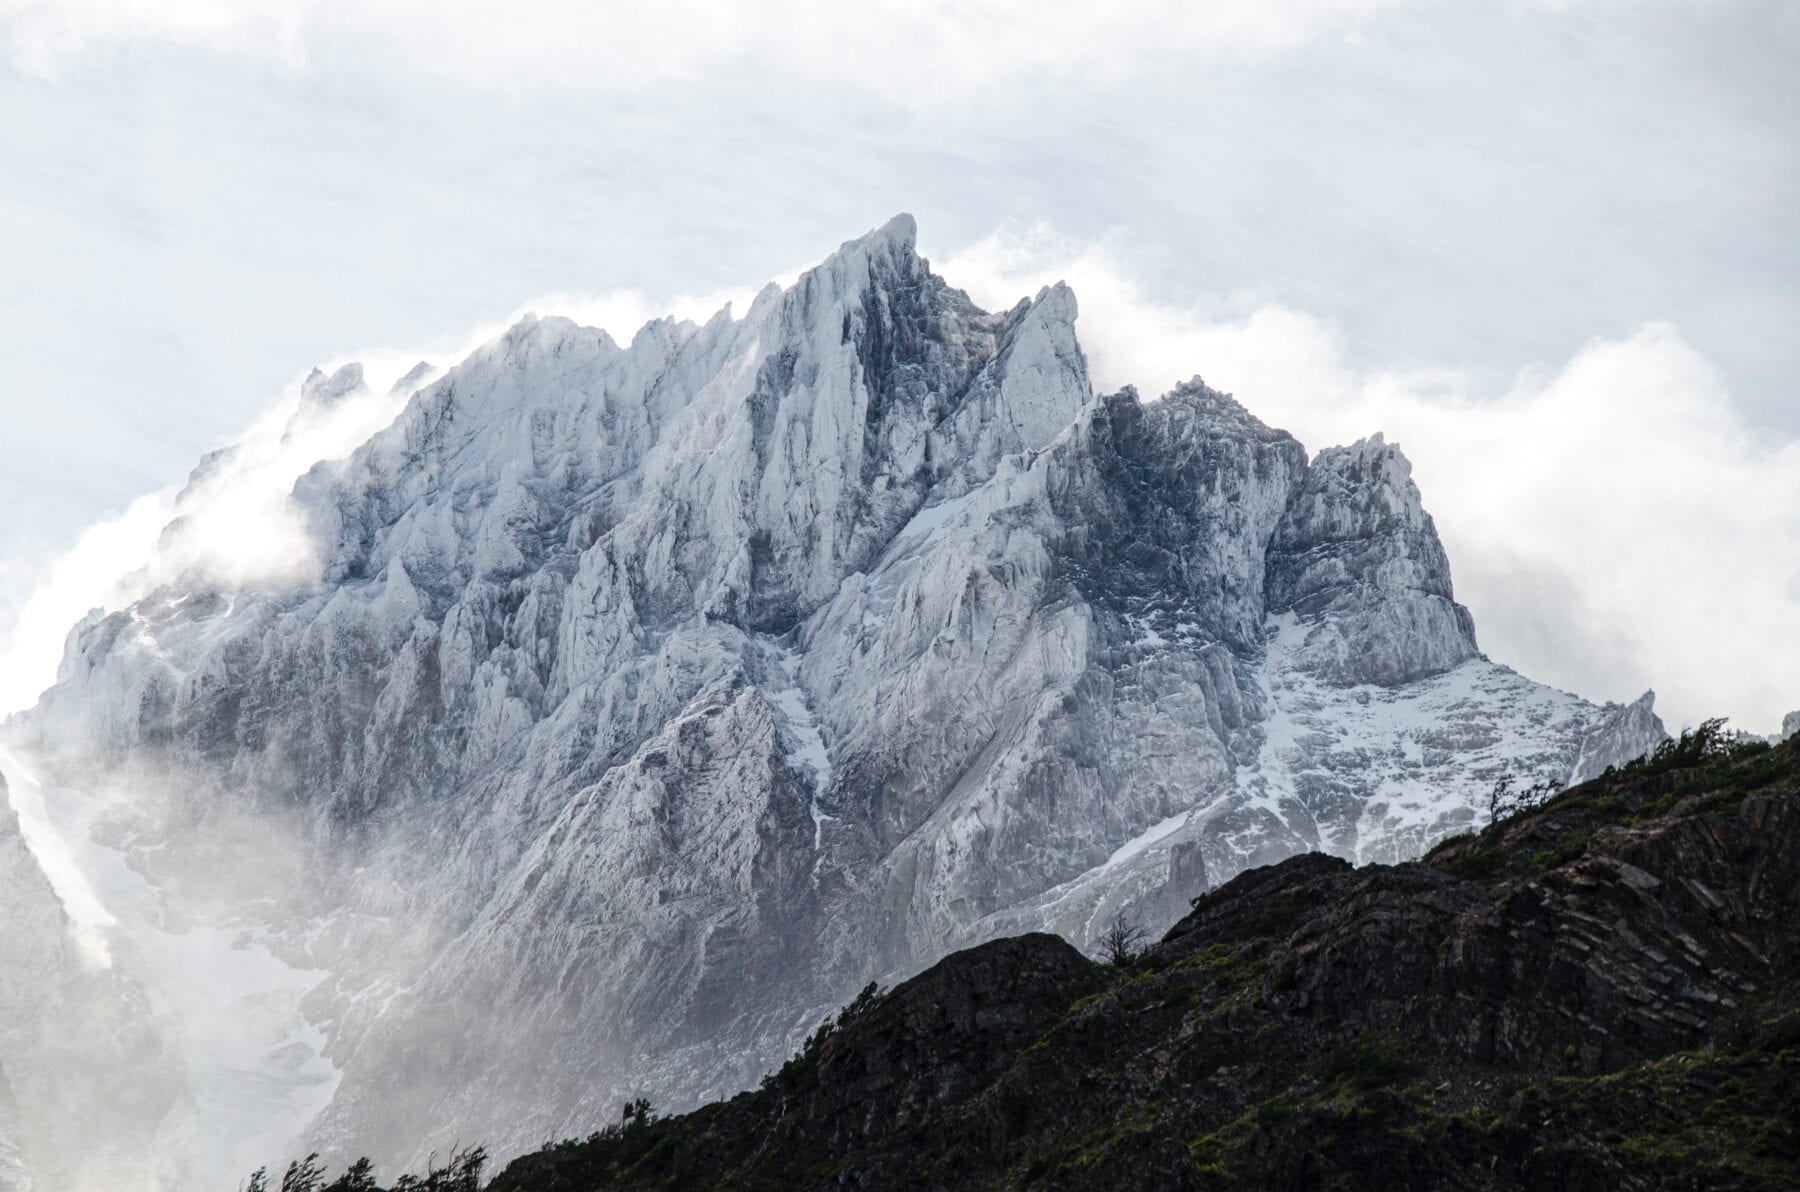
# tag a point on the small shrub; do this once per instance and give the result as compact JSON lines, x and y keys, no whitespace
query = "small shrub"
{"x":1505,"y":802}
{"x":808,"y":1055}
{"x":1707,"y":741}
{"x":1367,"y":1062}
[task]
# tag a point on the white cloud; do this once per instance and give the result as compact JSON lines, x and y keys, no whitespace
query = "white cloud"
{"x":916,"y":50}
{"x":232,"y":524}
{"x":235,"y":524}
{"x":1613,"y":524}
{"x":59,"y":591}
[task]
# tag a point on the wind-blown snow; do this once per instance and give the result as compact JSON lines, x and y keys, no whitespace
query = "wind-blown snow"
{"x":255,"y":1066}
{"x":90,"y":922}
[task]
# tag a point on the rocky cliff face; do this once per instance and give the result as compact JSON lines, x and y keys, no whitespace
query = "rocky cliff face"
{"x":626,"y":706}
{"x":1356,"y":558}
{"x":1600,"y":992}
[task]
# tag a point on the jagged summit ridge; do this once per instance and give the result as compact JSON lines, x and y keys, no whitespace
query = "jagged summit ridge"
{"x":684,"y":685}
{"x":1357,"y":558}
{"x":323,"y":390}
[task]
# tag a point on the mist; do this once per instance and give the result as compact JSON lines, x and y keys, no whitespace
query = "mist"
{"x":1581,"y":565}
{"x":159,"y":955}
{"x":274,"y":839}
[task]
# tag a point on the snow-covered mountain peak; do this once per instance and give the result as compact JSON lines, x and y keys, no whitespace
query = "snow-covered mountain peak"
{"x":413,"y":379}
{"x":1057,"y":301}
{"x":899,"y":234}
{"x":641,"y":701}
{"x":1219,"y":413}
{"x":321,"y":390}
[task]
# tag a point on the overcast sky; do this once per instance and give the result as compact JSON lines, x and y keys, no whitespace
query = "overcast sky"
{"x":1552,"y":248}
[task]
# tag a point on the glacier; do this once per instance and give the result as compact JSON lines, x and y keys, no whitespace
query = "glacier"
{"x":607,"y":713}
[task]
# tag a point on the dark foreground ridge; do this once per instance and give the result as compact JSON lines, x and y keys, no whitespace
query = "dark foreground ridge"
{"x":1601,"y":992}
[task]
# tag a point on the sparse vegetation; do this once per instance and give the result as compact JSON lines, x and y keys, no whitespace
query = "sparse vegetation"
{"x":461,"y":1173}
{"x":1312,"y":1024}
{"x":1122,"y":942}
{"x":1369,"y":1061}
{"x":1706,"y":742}
{"x":804,"y":1060}
{"x":1704,"y":769}
{"x":1504,"y":801}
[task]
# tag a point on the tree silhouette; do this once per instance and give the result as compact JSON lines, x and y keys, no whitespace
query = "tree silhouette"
{"x":1122,"y":942}
{"x":358,"y":1177}
{"x":303,"y":1175}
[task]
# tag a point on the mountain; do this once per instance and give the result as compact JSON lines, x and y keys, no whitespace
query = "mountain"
{"x":612,"y":711}
{"x":1600,"y":992}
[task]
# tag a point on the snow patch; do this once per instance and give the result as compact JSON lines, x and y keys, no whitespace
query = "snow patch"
{"x":1420,"y":758}
{"x":928,"y":524}
{"x":807,"y":750}
{"x":1146,"y":838}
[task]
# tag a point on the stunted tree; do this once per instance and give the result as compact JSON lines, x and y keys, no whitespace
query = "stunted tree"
{"x":1122,"y":942}
{"x":636,"y":1113}
{"x":1504,"y":801}
{"x":303,"y":1175}
{"x":1500,"y":798}
{"x":461,"y":1174}
{"x":358,"y":1177}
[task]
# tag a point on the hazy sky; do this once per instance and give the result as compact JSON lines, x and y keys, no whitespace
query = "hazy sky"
{"x":1552,"y":248}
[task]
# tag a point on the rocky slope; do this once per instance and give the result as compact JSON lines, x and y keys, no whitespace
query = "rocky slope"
{"x":1598,"y":993}
{"x":613,"y":710}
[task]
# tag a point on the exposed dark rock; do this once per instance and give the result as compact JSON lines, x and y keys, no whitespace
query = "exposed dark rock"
{"x":1597,"y":993}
